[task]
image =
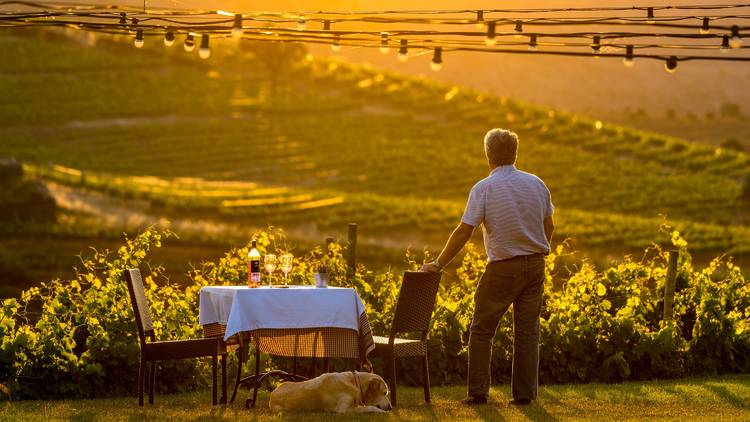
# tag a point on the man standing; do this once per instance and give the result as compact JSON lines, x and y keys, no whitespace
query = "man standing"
{"x":515,"y":210}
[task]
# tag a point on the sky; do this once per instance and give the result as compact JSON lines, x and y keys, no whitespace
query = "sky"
{"x":575,"y":84}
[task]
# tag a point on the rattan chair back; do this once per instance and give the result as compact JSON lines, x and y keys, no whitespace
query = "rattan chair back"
{"x":416,"y":302}
{"x":140,"y":304}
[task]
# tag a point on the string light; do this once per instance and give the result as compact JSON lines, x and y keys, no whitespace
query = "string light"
{"x":628,"y":60}
{"x":437,"y":59}
{"x":596,"y":46}
{"x":336,"y":46}
{"x":736,"y":40}
{"x":189,"y":44}
{"x":532,"y":42}
{"x":490,"y":39}
{"x":237,"y":30}
{"x":671,"y":64}
{"x":705,"y":26}
{"x":138,"y":42}
{"x":403,"y":52}
{"x":480,"y":19}
{"x":204,"y":52}
{"x":384,"y":48}
{"x":169,"y":38}
{"x":724,"y":44}
{"x":123,"y":20}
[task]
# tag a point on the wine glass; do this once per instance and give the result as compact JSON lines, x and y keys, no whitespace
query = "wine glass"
{"x":285,"y":264}
{"x":269,"y":264}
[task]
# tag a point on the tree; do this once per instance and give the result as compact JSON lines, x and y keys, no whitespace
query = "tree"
{"x":733,"y":144}
{"x":745,"y":196}
{"x":276,"y":58}
{"x":730,"y":111}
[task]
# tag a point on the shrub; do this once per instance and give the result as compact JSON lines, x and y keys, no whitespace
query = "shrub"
{"x":77,"y":338}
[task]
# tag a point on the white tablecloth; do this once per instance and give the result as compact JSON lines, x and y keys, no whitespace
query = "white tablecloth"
{"x":244,"y":309}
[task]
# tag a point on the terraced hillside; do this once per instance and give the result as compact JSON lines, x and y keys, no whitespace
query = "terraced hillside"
{"x":332,"y":142}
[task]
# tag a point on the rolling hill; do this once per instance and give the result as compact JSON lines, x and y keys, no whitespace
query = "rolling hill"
{"x":331,"y":142}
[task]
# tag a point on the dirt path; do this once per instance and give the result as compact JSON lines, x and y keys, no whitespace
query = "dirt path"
{"x":130,"y":215}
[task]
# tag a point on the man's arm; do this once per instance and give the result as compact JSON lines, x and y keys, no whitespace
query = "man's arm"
{"x":455,"y":243}
{"x":549,"y":228}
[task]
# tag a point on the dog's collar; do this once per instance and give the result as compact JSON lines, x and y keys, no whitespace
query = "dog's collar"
{"x":361,"y":400}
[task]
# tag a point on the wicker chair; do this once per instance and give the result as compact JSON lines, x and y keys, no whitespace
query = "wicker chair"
{"x":153,"y":351}
{"x":416,"y":302}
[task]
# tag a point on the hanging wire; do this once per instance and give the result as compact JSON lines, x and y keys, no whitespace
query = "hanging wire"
{"x":708,"y":31}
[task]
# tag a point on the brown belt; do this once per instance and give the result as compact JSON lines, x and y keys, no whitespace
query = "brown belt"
{"x":534,"y":255}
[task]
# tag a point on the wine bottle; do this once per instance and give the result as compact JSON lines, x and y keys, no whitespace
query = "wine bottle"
{"x":253,"y":266}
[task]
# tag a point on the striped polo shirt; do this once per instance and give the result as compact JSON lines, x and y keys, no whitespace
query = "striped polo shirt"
{"x":511,"y":205}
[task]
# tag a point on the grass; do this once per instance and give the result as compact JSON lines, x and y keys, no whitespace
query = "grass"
{"x":715,"y":399}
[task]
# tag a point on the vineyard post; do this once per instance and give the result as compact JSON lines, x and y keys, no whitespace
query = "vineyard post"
{"x":329,"y":240}
{"x":669,"y":285}
{"x":351,"y":261}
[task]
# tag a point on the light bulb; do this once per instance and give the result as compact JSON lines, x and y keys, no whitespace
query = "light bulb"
{"x":138,"y":38}
{"x":490,"y":38}
{"x":302,"y":23}
{"x":205,"y":51}
{"x":237,"y":30}
{"x":384,"y":49}
{"x":724,"y":44}
{"x":704,"y":28}
{"x":736,"y":40}
{"x":480,"y":19}
{"x":650,"y":15}
{"x":671,"y":64}
{"x":123,"y":18}
{"x":437,"y":59}
{"x":169,"y":38}
{"x":134,"y":25}
{"x":189,"y":44}
{"x":628,"y":60}
{"x":336,"y":46}
{"x":596,"y":46}
{"x":518,"y":29}
{"x":403,"y":52}
{"x":532,"y":42}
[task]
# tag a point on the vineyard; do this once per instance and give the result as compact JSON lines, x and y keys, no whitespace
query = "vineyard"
{"x":331,"y":142}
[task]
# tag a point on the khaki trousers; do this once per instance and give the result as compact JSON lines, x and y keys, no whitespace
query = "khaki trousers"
{"x":518,"y":281}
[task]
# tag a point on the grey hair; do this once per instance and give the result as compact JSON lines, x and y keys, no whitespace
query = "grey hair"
{"x":501,"y":147}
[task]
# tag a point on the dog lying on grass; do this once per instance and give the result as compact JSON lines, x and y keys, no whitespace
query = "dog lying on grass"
{"x":339,"y":392}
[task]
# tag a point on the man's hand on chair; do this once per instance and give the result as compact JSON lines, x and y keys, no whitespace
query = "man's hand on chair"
{"x":431,"y":267}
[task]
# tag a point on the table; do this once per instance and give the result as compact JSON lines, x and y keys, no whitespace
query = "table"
{"x":299,"y":321}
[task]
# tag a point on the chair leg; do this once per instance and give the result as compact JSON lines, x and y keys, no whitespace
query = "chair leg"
{"x":214,"y":362}
{"x":151,"y":381}
{"x":391,"y":369}
{"x":141,"y":379}
{"x":240,"y":363}
{"x":426,"y":379}
{"x":224,"y":379}
{"x":256,"y":383}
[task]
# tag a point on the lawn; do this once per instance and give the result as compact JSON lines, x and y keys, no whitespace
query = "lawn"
{"x":714,"y":399}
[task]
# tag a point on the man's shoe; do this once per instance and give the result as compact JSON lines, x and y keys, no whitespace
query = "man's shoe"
{"x":474,"y":400}
{"x":520,"y":402}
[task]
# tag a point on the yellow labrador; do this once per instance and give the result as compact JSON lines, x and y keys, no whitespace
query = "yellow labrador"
{"x":339,"y":392}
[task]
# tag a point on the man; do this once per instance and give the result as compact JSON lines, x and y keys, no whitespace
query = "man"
{"x":515,"y":210}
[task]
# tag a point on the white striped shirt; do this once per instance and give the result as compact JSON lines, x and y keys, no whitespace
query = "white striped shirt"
{"x":511,"y":205}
